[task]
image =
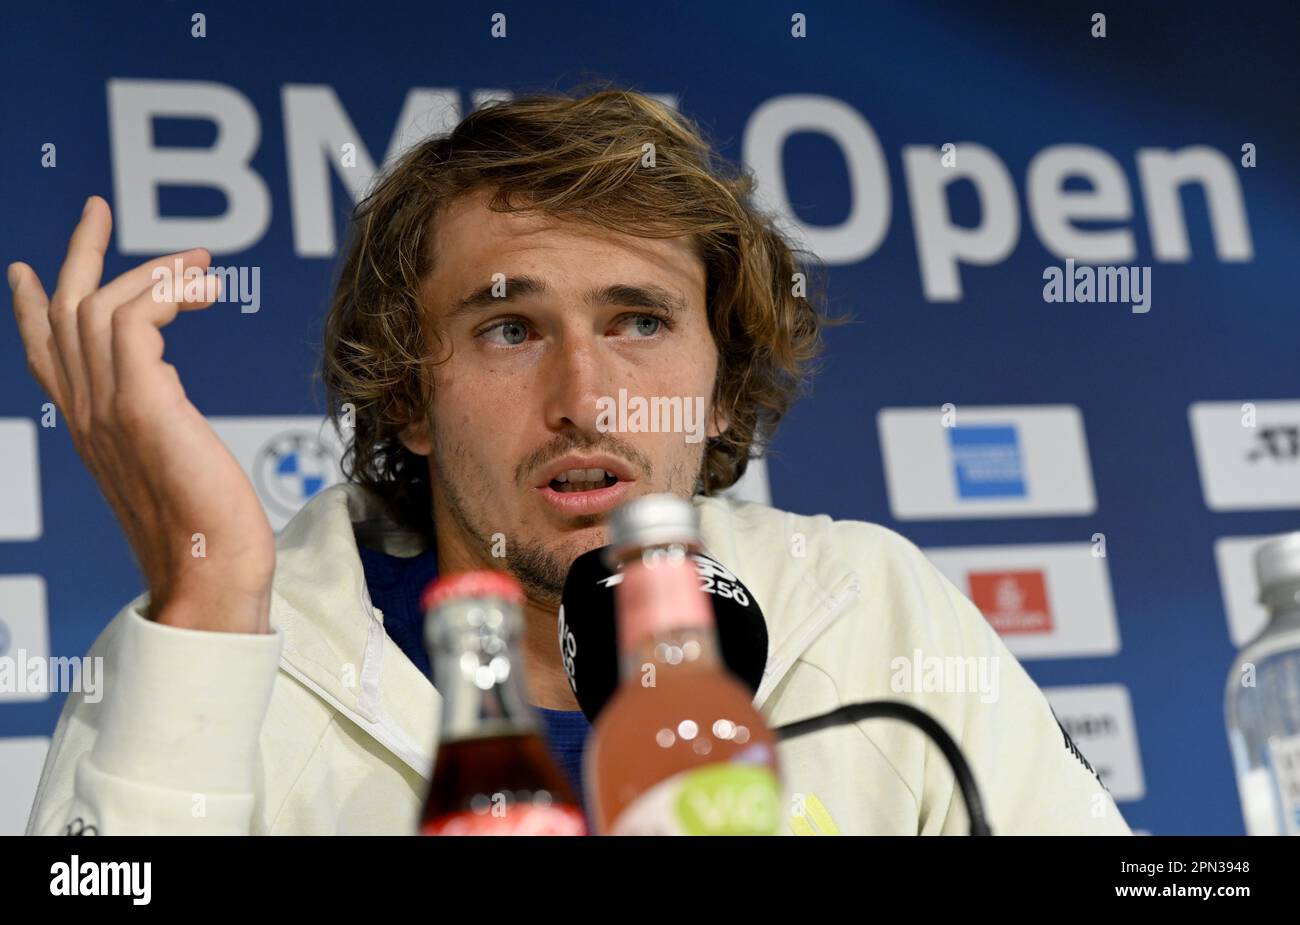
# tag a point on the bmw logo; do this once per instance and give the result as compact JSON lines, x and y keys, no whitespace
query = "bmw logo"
{"x":291,"y":468}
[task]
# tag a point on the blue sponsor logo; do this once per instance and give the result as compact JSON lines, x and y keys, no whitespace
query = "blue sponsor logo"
{"x":986,"y":461}
{"x":290,"y":469}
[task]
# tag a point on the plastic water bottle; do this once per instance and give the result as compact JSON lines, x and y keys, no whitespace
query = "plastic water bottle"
{"x":1262,"y":703}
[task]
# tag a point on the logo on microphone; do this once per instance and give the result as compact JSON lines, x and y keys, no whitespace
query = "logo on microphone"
{"x":568,"y":649}
{"x":715,"y":579}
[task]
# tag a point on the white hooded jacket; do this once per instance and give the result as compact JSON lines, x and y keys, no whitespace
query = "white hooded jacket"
{"x":324,"y":726}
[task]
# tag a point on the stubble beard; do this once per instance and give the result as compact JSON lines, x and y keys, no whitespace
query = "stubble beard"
{"x":535,"y":565}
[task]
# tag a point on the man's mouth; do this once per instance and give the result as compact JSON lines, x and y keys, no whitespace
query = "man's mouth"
{"x":586,"y":485}
{"x":578,"y":480}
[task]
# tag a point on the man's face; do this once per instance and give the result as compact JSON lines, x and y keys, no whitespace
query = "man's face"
{"x":546,"y":321}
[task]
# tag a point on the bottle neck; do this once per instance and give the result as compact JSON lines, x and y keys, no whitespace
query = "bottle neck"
{"x":480,"y":675}
{"x":670,"y":651}
{"x":664,"y":618}
{"x":1283,"y":603}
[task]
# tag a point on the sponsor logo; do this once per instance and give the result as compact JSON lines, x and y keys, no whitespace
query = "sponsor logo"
{"x":1278,"y":444}
{"x":288,"y":458}
{"x":1012,"y":602}
{"x":316,"y":122}
{"x":79,"y":826}
{"x":290,"y":469}
{"x":1048,"y":600}
{"x":958,"y":461}
{"x":1247,"y":453}
{"x":986,"y":461}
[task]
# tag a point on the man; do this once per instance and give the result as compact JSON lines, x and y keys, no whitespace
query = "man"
{"x":501,"y":284}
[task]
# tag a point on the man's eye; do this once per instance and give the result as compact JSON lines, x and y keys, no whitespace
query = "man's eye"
{"x":646,"y":325}
{"x":507,"y":333}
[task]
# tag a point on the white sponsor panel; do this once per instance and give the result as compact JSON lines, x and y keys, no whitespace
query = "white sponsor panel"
{"x":21,"y":760}
{"x":1235,"y":558}
{"x":20,"y":480}
{"x":288,"y":459}
{"x":1049,"y":600}
{"x":1248,"y":453}
{"x":997,"y":461}
{"x":24,"y":631}
{"x":1099,"y":718}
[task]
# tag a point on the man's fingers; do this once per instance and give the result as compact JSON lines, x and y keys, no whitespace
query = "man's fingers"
{"x":84,"y":264}
{"x":70,"y":338}
{"x":161,"y":274}
{"x":78,"y":278}
{"x":32,"y":311}
{"x":136,"y":338}
{"x":164,"y":282}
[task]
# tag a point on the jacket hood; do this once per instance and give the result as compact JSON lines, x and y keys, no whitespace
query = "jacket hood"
{"x":335,"y":643}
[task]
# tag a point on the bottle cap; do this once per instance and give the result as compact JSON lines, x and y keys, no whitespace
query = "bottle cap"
{"x":1277,"y":562}
{"x":479,"y":583}
{"x":653,"y":520}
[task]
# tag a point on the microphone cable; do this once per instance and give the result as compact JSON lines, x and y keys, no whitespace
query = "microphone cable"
{"x":892,"y":709}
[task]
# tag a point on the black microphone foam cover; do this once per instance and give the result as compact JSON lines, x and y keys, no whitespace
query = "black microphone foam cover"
{"x":588,"y":628}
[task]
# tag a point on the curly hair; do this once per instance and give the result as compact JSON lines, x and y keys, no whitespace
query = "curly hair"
{"x":614,"y":158}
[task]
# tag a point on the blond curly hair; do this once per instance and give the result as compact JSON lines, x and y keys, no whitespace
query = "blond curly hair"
{"x":583,"y":158}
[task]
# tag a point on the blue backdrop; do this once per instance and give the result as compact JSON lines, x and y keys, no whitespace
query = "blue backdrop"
{"x":1014,"y":78}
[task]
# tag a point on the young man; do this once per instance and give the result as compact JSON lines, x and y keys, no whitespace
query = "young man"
{"x":501,"y":284}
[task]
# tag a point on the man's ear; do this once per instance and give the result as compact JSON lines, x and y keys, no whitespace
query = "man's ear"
{"x":416,"y":438}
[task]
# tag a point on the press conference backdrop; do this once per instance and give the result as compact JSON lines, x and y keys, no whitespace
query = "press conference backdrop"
{"x":1113,"y":462}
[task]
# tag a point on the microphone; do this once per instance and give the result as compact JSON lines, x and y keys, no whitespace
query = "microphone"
{"x":588,"y":629}
{"x":589,"y":650}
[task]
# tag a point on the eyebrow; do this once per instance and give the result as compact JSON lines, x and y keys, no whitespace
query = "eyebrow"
{"x":628,"y":295}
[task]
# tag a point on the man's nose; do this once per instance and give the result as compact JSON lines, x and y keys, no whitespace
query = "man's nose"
{"x":575,"y":375}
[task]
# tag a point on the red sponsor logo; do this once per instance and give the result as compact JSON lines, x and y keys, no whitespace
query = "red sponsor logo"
{"x":1013,"y":602}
